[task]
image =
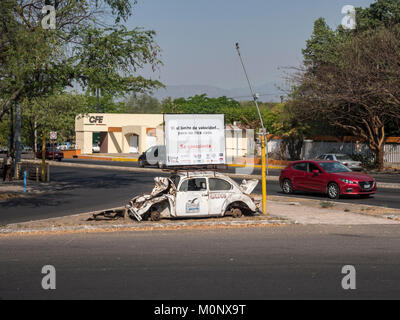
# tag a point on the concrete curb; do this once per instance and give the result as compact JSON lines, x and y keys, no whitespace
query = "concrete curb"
{"x":381,"y":185}
{"x":149,"y":226}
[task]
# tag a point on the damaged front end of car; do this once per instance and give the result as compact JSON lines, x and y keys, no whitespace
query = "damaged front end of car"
{"x":156,"y":205}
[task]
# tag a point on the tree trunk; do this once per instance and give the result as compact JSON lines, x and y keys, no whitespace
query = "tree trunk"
{"x":380,"y":157}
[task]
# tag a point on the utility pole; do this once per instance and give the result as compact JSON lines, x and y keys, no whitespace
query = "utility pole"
{"x":264,"y":165}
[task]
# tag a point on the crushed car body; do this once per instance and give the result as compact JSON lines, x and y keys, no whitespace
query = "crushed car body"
{"x":194,"y":194}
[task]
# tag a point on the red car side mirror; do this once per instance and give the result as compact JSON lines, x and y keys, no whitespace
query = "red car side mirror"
{"x":316,"y":172}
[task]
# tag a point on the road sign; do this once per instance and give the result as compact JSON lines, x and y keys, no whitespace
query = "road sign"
{"x":53,"y":135}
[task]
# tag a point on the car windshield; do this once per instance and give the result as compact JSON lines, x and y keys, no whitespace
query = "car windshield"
{"x":342,"y":157}
{"x":333,"y":167}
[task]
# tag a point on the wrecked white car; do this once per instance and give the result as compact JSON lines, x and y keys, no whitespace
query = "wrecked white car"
{"x":194,"y":195}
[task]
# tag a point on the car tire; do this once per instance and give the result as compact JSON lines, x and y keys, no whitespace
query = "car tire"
{"x":237,"y":213}
{"x":333,"y":191}
{"x":155,"y":216}
{"x":141,"y":164}
{"x":287,"y":186}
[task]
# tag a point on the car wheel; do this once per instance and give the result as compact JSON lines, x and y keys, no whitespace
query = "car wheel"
{"x":333,"y":191}
{"x":237,"y":213}
{"x":287,"y":186}
{"x":155,"y":216}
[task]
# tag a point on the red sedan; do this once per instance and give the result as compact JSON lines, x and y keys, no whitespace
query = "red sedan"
{"x":50,"y":155}
{"x":329,"y":177}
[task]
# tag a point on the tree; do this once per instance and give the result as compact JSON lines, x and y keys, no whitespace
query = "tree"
{"x":54,"y":113}
{"x":233,"y":110}
{"x":141,"y":103}
{"x":348,"y":78}
{"x":35,"y":62}
{"x":291,"y":129}
{"x":360,"y":93}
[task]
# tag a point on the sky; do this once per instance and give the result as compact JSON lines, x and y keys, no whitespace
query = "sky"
{"x":198,"y":37}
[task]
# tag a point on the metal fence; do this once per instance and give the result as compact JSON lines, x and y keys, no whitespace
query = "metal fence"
{"x":392,"y":153}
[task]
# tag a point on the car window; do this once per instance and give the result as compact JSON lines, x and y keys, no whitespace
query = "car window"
{"x":302,"y":166}
{"x":150,"y":150}
{"x":312,"y":167}
{"x":329,"y":157}
{"x":333,"y":167}
{"x":219,"y":185}
{"x":198,"y":184}
{"x":343,"y":157}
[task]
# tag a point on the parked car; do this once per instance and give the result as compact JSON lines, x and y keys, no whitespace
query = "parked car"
{"x":154,"y":156}
{"x":328,"y":177}
{"x":95,"y":148}
{"x":57,"y":154}
{"x":26,"y":149}
{"x":194,"y":194}
{"x":3,"y":149}
{"x":344,"y":159}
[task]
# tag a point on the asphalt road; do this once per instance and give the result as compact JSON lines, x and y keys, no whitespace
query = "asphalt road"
{"x":80,"y":190}
{"x":292,"y":262}
{"x":380,"y":177}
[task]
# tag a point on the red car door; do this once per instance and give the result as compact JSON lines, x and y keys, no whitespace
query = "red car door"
{"x":315,"y":181}
{"x":298,"y":175}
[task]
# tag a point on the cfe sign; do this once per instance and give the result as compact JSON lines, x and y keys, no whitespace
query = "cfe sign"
{"x":53,"y":135}
{"x":194,"y":139}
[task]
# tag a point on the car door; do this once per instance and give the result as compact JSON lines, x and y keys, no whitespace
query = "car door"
{"x":220,"y":190}
{"x":192,"y":198}
{"x":315,"y":181}
{"x":298,"y":175}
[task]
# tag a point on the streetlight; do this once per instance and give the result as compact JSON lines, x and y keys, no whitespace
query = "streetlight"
{"x":263,"y":138}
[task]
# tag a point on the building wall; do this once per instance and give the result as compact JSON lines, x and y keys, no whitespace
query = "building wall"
{"x":119,"y":128}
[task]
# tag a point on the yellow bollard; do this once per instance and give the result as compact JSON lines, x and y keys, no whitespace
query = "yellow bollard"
{"x":263,"y":175}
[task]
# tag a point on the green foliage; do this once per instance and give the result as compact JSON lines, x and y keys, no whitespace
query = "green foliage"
{"x":55,"y":113}
{"x":106,"y":104}
{"x":38,"y":63}
{"x":382,"y":13}
{"x":142,"y":103}
{"x":234,"y":111}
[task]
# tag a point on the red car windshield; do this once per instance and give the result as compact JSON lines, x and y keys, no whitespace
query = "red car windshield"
{"x":333,"y":167}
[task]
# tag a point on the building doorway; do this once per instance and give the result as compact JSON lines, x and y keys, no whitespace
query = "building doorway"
{"x":133,"y":143}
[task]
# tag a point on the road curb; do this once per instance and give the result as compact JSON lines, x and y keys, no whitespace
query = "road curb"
{"x":149,"y":227}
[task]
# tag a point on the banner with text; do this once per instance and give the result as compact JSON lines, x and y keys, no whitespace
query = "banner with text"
{"x":194,"y":139}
